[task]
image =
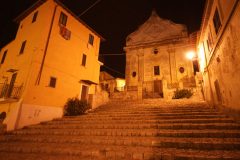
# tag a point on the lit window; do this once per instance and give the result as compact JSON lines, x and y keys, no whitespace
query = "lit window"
{"x":91,"y":39}
{"x":84,"y":59}
{"x":63,"y":19}
{"x":156,"y":70}
{"x":216,"y":21}
{"x":35,"y":17}
{"x":52,"y":82}
{"x":22,"y":47}
{"x":4,"y":57}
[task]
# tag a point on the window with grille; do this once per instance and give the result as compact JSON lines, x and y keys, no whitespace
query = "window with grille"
{"x":63,"y":19}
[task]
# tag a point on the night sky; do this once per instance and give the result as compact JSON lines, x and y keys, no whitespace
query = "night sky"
{"x":113,"y":19}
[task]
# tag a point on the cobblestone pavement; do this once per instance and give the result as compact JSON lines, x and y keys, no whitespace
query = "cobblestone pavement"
{"x":150,"y":129}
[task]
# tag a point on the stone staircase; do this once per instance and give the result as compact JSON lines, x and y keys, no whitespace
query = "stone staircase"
{"x":137,"y":130}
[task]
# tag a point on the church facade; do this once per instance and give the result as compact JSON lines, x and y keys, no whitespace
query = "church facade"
{"x":156,"y":62}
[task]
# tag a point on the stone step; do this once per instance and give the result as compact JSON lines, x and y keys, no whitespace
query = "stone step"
{"x":151,"y":114}
{"x":143,"y":117}
{"x":36,"y":156}
{"x":116,"y":152}
{"x":219,"y":126}
{"x":133,"y":132}
{"x":160,"y":142}
{"x":146,"y":109}
{"x":141,"y":121}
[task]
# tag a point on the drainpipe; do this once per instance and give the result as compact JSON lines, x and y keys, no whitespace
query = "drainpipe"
{"x":46,"y":48}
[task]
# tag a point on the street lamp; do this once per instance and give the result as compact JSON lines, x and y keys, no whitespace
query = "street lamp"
{"x":190,"y":55}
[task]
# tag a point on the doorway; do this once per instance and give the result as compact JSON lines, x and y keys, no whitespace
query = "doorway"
{"x":158,"y":87}
{"x":84,"y":93}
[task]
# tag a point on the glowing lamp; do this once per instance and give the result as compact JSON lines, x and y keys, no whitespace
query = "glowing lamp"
{"x":190,"y":55}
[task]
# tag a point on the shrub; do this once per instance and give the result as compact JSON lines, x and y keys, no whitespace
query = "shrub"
{"x":2,"y":116}
{"x":75,"y":107}
{"x":183,"y":93}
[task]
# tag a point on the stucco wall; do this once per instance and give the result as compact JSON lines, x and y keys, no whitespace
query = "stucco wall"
{"x":220,"y":66}
{"x":63,"y":61}
{"x":225,"y":66}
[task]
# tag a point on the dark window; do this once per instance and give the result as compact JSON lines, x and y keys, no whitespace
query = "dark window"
{"x":84,"y":59}
{"x":195,"y":66}
{"x":53,"y":82}
{"x":4,"y":57}
{"x":34,"y":17}
{"x":216,"y":21}
{"x":156,"y":70}
{"x":155,"y":51}
{"x":91,"y":39}
{"x":134,"y":74}
{"x":63,"y":19}
{"x":22,"y":47}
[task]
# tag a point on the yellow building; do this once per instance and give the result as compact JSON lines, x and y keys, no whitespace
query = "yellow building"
{"x":219,"y":54}
{"x":53,"y":57}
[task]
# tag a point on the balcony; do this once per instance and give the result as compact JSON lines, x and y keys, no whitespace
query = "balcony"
{"x":10,"y":92}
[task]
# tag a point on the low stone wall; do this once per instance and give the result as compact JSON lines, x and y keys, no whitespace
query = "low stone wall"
{"x":98,"y":99}
{"x":33,"y":114}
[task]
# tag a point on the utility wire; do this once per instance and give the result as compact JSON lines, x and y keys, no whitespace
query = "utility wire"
{"x":111,"y":54}
{"x":89,"y":8}
{"x":114,"y":70}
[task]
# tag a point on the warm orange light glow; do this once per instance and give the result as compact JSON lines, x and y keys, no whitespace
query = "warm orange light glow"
{"x":201,"y":58}
{"x":190,"y":55}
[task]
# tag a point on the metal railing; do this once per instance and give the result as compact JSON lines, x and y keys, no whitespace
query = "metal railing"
{"x":7,"y":91}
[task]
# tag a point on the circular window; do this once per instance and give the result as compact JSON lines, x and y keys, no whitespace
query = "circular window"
{"x":134,"y":74}
{"x":155,"y":51}
{"x":181,"y":70}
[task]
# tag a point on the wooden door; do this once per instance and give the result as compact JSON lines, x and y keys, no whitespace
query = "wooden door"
{"x":158,"y":86}
{"x":84,"y":93}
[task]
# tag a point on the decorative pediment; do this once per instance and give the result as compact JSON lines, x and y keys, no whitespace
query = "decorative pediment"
{"x":156,"y":29}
